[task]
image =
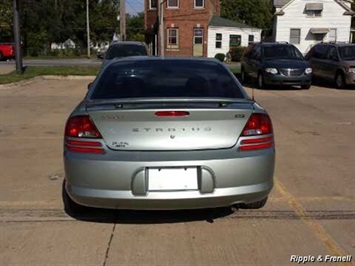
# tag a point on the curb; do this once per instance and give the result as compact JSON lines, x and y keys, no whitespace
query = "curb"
{"x":46,"y":77}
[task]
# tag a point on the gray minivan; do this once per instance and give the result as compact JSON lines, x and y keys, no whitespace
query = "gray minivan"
{"x":334,"y":62}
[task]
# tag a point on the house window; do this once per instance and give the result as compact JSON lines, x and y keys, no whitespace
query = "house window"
{"x":250,"y":39}
{"x":172,"y":3}
{"x":218,"y":40}
{"x":313,"y":13}
{"x":153,"y":4}
{"x":172,"y":38}
{"x":295,"y":36}
{"x":235,"y":40}
{"x":314,"y":9}
{"x":332,"y":35}
{"x":199,"y":3}
{"x":198,"y":36}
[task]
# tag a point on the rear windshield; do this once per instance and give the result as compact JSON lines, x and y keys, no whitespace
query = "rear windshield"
{"x":125,"y":50}
{"x":166,"y":78}
{"x":282,"y":52}
{"x":347,"y":52}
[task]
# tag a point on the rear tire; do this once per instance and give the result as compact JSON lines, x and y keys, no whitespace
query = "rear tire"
{"x":254,"y":205}
{"x":339,"y":80}
{"x":1,"y":56}
{"x":71,"y":207}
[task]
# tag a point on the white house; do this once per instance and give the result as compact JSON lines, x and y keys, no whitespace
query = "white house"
{"x":306,"y":22}
{"x":224,"y":33}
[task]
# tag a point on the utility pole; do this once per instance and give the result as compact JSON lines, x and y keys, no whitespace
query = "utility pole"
{"x":161,"y":26}
{"x":88,"y":27}
{"x":17,"y":36}
{"x":123,"y":19}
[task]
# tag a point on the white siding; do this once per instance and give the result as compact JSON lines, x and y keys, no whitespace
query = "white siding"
{"x":226,"y":31}
{"x":294,"y":17}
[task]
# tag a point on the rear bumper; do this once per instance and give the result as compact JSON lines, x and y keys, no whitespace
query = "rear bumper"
{"x":120,"y":184}
{"x":286,"y":80}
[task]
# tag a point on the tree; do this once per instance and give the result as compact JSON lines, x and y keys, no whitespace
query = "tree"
{"x":6,"y":18}
{"x":256,"y":13}
{"x":135,"y":27}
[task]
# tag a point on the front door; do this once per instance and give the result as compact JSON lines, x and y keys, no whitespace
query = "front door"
{"x":198,"y":42}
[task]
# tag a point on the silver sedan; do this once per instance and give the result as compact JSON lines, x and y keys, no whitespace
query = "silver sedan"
{"x":167,"y":133}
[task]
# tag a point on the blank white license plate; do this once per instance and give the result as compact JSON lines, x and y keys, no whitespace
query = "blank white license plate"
{"x":172,"y":179}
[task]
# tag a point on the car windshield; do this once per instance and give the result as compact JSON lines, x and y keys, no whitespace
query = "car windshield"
{"x":347,"y":52}
{"x":166,"y":78}
{"x":282,"y":52}
{"x":125,"y":50}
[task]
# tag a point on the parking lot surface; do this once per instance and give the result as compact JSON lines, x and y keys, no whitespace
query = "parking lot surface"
{"x":311,"y":210}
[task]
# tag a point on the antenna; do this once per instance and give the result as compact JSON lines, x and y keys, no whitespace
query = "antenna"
{"x":252,"y":94}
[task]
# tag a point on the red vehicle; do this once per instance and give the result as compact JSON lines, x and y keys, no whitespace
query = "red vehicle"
{"x":7,"y":51}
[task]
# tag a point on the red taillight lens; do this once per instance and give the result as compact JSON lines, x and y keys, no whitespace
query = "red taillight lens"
{"x":258,"y":124}
{"x":172,"y":113}
{"x":256,"y":128}
{"x":81,"y":127}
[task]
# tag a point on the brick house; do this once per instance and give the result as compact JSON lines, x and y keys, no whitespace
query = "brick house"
{"x":185,"y":24}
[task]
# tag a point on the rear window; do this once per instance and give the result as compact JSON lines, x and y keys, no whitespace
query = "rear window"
{"x":125,"y":50}
{"x":347,"y":52}
{"x":282,"y":52}
{"x":166,"y":78}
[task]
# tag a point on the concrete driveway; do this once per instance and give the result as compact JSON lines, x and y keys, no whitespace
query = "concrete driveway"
{"x":311,"y":211}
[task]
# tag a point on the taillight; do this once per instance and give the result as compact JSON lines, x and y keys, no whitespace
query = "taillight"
{"x":255,"y":130}
{"x":83,"y":129}
{"x":171,"y":113}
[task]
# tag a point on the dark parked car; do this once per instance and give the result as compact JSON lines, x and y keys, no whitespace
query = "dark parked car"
{"x":120,"y":49}
{"x":167,"y":133}
{"x":275,"y":64}
{"x":334,"y":62}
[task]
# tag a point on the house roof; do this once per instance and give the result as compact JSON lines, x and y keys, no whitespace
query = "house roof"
{"x":283,"y":3}
{"x":348,"y":10}
{"x":280,"y":3}
{"x":223,"y":22}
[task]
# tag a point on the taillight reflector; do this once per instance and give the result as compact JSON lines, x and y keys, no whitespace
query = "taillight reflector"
{"x":171,"y":113}
{"x":84,"y":146}
{"x":84,"y":149}
{"x":256,"y":144}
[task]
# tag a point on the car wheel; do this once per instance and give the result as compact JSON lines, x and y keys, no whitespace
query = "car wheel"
{"x":254,"y":205}
{"x":305,"y":87}
{"x":339,"y":81}
{"x":244,"y":76}
{"x":1,"y":56}
{"x":70,"y":206}
{"x":261,"y":83}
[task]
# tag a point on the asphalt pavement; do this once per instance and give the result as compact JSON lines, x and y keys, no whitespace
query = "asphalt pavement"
{"x":310,"y":214}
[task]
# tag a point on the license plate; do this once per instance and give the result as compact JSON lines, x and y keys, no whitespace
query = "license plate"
{"x":172,"y":179}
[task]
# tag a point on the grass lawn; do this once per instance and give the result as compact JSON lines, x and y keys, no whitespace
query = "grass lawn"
{"x":33,"y":71}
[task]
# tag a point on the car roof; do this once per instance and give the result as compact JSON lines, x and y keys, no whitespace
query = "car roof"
{"x":127,"y":43}
{"x":338,"y":44}
{"x":269,"y":44}
{"x":165,"y":58}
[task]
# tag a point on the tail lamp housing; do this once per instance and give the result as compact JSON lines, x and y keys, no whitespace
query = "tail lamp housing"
{"x":81,"y":135}
{"x":257,"y":133}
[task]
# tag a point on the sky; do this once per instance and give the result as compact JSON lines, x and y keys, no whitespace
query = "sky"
{"x":134,"y":6}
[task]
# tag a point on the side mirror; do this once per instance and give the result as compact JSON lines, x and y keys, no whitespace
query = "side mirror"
{"x":89,"y":85}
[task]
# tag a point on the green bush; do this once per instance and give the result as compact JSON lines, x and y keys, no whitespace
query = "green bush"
{"x":237,"y":53}
{"x":220,"y":57}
